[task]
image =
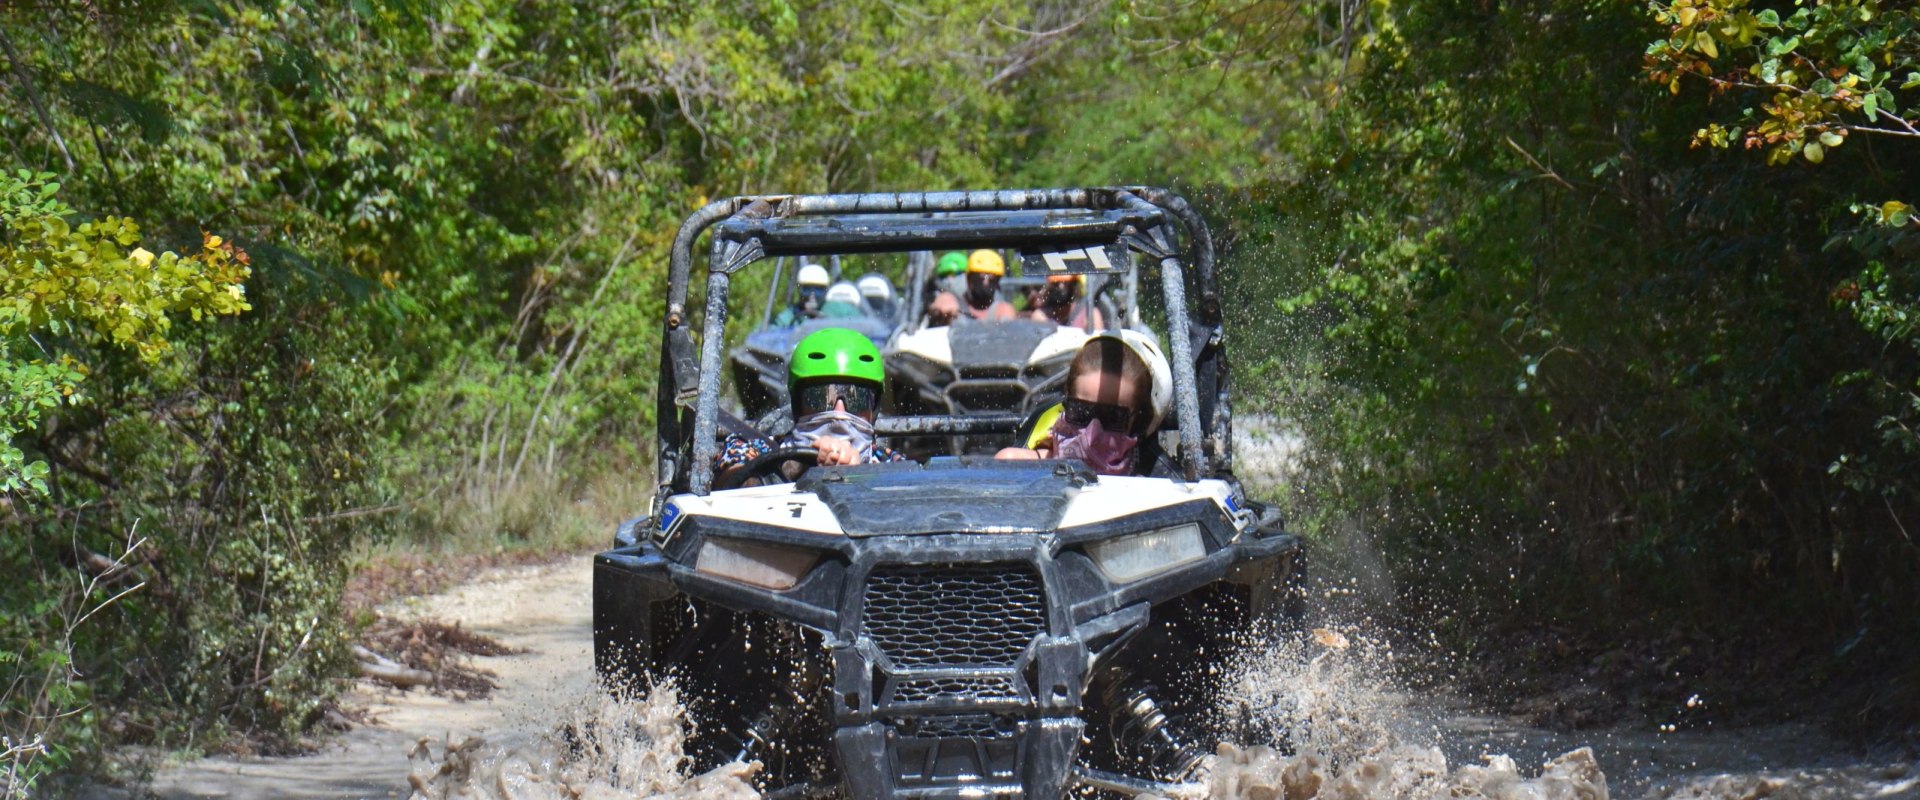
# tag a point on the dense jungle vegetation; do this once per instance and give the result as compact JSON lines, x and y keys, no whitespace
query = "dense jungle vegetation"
{"x":1587,"y":309}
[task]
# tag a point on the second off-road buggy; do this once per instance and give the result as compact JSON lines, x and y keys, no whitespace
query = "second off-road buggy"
{"x":760,"y":362}
{"x":964,"y":627}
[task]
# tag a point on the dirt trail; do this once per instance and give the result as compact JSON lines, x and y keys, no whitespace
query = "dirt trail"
{"x":544,"y":611}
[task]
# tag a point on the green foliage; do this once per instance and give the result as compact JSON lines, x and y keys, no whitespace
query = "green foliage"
{"x":63,"y":277}
{"x":62,"y":281}
{"x":1566,"y":366}
{"x":1807,"y":80}
{"x":1819,"y":75}
{"x":65,"y":287}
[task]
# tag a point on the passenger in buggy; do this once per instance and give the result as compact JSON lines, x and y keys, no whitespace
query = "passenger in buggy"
{"x":876,"y":292}
{"x":949,"y":277}
{"x":1060,"y":300}
{"x":981,"y":301}
{"x":1118,"y":389}
{"x":834,"y":378}
{"x":812,"y":300}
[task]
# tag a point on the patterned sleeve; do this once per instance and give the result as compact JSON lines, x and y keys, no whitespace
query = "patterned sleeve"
{"x":882,"y":455}
{"x":739,"y":450}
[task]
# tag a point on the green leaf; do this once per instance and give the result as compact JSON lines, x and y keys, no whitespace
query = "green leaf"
{"x":1770,"y":18}
{"x":1913,"y":79}
{"x":1769,"y":70}
{"x":1814,"y":152}
{"x":1896,"y":213}
{"x":1831,"y":139}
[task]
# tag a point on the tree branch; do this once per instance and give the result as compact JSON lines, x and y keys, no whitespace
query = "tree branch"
{"x":1545,"y":171}
{"x":33,"y":97}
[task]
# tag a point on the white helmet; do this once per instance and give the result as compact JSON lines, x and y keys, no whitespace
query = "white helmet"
{"x":1148,"y":350}
{"x":876,"y":288}
{"x":843,"y":292}
{"x":814,"y":275}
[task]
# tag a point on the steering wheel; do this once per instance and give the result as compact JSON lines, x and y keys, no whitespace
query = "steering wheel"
{"x":768,"y":467}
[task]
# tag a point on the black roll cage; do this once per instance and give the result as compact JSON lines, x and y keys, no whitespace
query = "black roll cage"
{"x":747,"y":228}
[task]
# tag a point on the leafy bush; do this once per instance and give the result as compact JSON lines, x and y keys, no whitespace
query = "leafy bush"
{"x":70,"y":286}
{"x":1584,"y":370}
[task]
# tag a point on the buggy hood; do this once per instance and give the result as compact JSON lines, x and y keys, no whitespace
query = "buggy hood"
{"x":951,"y":495}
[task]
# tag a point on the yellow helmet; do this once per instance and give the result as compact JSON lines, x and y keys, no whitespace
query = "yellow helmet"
{"x":986,"y":262}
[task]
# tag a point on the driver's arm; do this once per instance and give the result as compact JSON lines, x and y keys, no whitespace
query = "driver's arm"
{"x":737,"y":451}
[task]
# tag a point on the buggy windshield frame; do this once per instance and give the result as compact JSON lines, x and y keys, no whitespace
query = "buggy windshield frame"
{"x":1154,"y":222}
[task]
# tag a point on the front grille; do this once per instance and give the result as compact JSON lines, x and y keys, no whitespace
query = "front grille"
{"x":926,"y":690}
{"x":976,"y":615}
{"x":960,"y":726}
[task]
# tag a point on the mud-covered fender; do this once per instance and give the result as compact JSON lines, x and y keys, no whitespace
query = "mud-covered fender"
{"x":626,"y":582}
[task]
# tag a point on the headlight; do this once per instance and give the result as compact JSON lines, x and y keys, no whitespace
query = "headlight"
{"x":769,"y":566}
{"x":1130,"y":558}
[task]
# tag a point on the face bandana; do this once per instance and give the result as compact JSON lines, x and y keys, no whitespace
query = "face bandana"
{"x":980,"y":294}
{"x":851,"y":427}
{"x":1107,"y":452}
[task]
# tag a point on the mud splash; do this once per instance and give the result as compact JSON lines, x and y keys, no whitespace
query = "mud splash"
{"x":607,"y":748}
{"x":1320,"y":718}
{"x":1316,"y":718}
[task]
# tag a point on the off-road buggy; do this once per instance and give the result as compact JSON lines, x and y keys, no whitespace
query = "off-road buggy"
{"x":965,"y":627}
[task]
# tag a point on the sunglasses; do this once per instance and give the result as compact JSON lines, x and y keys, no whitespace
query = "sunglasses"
{"x":1114,"y":418}
{"x":813,"y":398}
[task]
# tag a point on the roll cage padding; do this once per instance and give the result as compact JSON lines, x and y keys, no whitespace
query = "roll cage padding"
{"x":751,"y":227}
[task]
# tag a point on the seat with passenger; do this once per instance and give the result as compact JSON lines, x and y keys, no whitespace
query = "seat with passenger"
{"x":812,"y":300}
{"x":1118,"y":388}
{"x":1062,"y":301}
{"x":876,"y":292}
{"x":834,"y":380}
{"x":981,"y":302}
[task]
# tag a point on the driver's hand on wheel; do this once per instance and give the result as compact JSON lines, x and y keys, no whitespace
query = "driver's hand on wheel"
{"x":836,"y":452}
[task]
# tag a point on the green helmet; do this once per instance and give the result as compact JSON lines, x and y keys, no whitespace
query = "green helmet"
{"x":951,"y":264}
{"x":836,"y":353}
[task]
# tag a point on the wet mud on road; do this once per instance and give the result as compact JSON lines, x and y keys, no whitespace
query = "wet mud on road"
{"x":1368,"y":739}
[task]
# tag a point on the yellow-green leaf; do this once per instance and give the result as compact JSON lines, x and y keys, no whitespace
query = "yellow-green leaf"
{"x":1703,"y":41}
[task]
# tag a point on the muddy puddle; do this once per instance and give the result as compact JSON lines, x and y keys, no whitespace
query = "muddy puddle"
{"x":1318,"y":718}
